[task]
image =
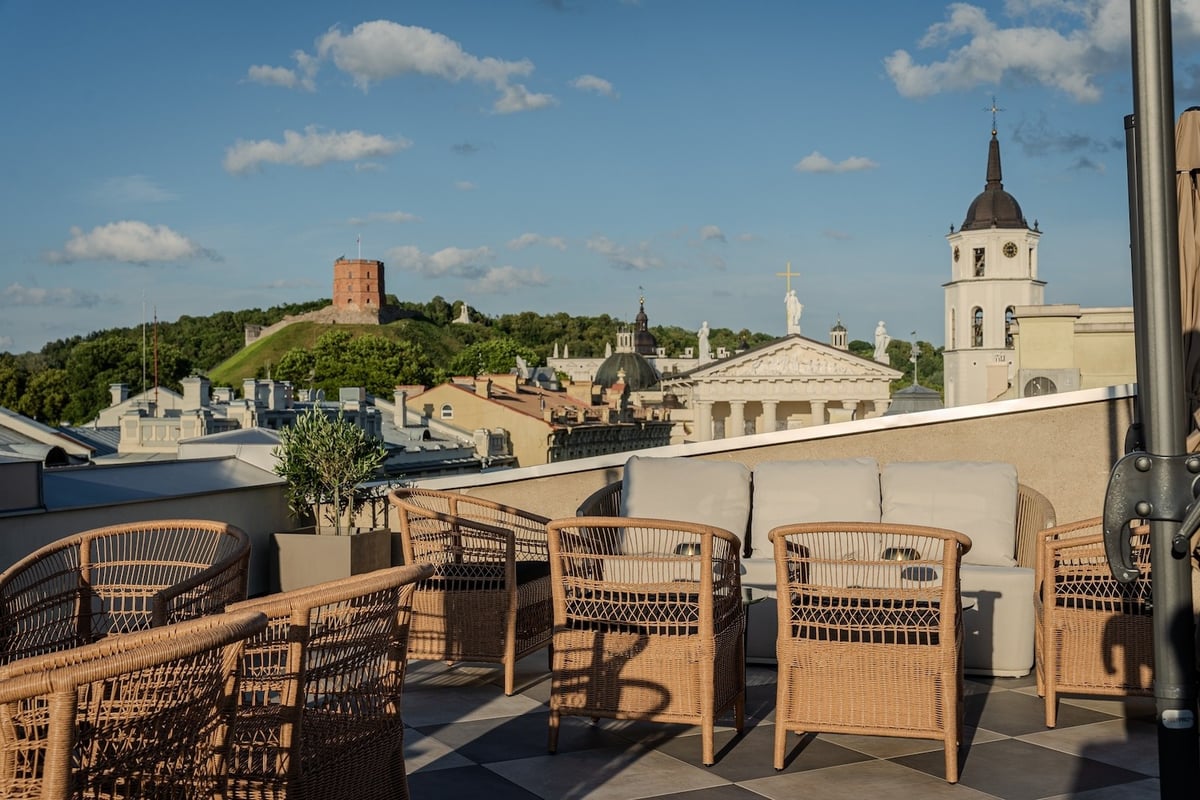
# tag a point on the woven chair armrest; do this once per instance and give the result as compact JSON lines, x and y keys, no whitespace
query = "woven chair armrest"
{"x":1035,"y":514}
{"x":1051,"y":538}
{"x":604,"y":502}
{"x":206,"y":592}
{"x":284,"y":604}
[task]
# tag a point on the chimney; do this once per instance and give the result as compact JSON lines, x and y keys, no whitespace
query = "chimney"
{"x":278,"y":395}
{"x":195,"y":392}
{"x":483,"y":387}
{"x":401,"y":397}
{"x":119,"y":392}
{"x":250,"y":391}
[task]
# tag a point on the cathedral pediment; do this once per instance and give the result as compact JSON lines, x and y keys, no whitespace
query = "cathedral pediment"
{"x":794,"y":357}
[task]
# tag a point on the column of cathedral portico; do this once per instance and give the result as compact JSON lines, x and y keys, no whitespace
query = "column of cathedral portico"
{"x":818,"y":412}
{"x":703,"y":420}
{"x":737,"y":419}
{"x":843,"y":414}
{"x":770,"y":416}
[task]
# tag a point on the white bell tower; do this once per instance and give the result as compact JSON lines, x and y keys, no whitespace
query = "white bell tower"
{"x":993,"y":269}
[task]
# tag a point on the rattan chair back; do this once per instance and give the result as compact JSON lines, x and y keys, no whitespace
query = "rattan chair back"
{"x":1093,"y":635}
{"x":119,"y":579}
{"x":870,"y":632}
{"x":319,"y":698}
{"x":140,"y":715}
{"x":648,"y":623}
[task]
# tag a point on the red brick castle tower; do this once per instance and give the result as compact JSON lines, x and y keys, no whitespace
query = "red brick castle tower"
{"x":358,"y":284}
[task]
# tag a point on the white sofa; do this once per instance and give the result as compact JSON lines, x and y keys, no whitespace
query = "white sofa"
{"x":980,"y":499}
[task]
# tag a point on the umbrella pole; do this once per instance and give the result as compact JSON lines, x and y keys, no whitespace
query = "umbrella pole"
{"x":1161,"y":391}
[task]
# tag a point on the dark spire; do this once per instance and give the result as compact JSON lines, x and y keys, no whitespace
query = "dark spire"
{"x":994,"y":207}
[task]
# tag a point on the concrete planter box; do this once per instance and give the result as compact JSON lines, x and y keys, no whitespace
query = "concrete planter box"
{"x":303,"y":557}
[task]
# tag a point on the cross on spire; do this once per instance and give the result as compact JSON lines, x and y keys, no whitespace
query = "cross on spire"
{"x":789,"y":275}
{"x":994,"y":109}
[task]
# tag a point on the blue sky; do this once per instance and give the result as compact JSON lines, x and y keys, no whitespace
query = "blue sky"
{"x":554,"y":155}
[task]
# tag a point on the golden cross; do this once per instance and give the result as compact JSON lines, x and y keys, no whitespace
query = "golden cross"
{"x":789,"y":275}
{"x":993,"y":109}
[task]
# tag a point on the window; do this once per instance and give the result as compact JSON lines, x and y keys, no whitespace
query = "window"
{"x":979,"y":262}
{"x":977,"y":327}
{"x":447,"y":411}
{"x":1010,"y":317}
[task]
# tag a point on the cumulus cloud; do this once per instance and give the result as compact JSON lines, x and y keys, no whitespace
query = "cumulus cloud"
{"x":302,"y":77}
{"x":500,"y":280}
{"x":382,"y":49}
{"x":309,"y":149}
{"x":530,"y":239}
{"x":623,"y":258}
{"x":5,"y":342}
{"x":384,"y":216}
{"x":712,"y":232}
{"x":1085,"y":164}
{"x":129,"y":241}
{"x":473,"y":264}
{"x":132,"y":189}
{"x":815,"y":162}
{"x":1063,"y":44}
{"x":62,"y":296}
{"x":592,"y":83}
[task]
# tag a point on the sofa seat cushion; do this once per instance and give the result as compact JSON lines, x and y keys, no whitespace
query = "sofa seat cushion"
{"x":998,"y":619}
{"x":689,"y":490}
{"x":978,"y":499}
{"x":787,"y":492}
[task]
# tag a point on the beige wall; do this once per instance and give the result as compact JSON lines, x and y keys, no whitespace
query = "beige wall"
{"x":259,"y":511}
{"x":528,"y":434}
{"x":1063,"y":448}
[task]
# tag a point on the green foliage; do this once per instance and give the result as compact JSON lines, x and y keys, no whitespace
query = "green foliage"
{"x":929,"y":364}
{"x":339,"y":359}
{"x":491,"y":356}
{"x":324,"y":462}
{"x":13,"y":377}
{"x":46,"y":396}
{"x":862,"y":349}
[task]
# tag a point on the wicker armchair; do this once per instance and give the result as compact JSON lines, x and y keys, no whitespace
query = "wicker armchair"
{"x":119,"y":579}
{"x":870,"y":632}
{"x":319,"y":697}
{"x":142,"y":715}
{"x":648,"y":623}
{"x":1093,"y":634}
{"x":489,"y":597}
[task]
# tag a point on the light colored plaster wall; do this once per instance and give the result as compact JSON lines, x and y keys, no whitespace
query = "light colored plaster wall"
{"x":1106,"y":359}
{"x":527,"y":433}
{"x":259,"y":511}
{"x":1063,"y":451}
{"x":1047,"y":342}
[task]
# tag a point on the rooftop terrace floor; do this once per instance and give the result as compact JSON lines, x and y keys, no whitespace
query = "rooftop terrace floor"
{"x":466,"y":739}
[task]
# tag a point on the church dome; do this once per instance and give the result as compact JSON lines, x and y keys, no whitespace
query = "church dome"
{"x":639,"y":374}
{"x":994,"y":207}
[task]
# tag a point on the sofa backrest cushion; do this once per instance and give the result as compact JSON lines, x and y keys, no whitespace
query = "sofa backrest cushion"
{"x":978,"y":499}
{"x":785,"y":492}
{"x":689,"y":490}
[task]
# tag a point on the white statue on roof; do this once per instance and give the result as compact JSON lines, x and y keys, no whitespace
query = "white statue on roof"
{"x":794,"y":309}
{"x":881,"y":342}
{"x":703,"y":352}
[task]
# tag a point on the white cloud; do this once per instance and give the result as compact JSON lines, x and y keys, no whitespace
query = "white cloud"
{"x":500,"y":280}
{"x":465,"y":186}
{"x":63,"y":296}
{"x":453,"y":261}
{"x":470,"y":264}
{"x":592,"y":83}
{"x":530,"y":239}
{"x":815,"y":162}
{"x":128,"y":241}
{"x":747,"y":237}
{"x":639,"y":260}
{"x":131,"y":189}
{"x":5,"y":342}
{"x":302,"y":77}
{"x":1062,"y":44}
{"x":309,"y":149}
{"x":515,"y":97}
{"x":712,"y":232}
{"x":384,"y":216}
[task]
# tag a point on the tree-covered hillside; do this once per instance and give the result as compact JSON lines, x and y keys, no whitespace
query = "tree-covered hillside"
{"x":68,"y":380}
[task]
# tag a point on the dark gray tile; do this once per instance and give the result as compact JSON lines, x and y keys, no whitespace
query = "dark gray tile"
{"x":1015,"y":770}
{"x":752,"y":755}
{"x":466,"y":782}
{"x":489,"y":740}
{"x":1017,"y":713}
{"x":728,"y":792}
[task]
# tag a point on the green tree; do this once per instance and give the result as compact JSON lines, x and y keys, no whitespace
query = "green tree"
{"x":46,"y":396}
{"x":324,"y":462}
{"x":13,"y":377}
{"x":497,"y":355}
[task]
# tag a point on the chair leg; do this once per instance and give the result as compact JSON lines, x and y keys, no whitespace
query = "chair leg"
{"x":709,"y":746}
{"x":510,"y":676}
{"x":780,"y":743}
{"x":739,"y":711}
{"x":951,"y":757}
{"x":1051,"y":705}
{"x":552,"y":745}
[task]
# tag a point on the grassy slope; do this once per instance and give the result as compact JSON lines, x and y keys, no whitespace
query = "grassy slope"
{"x":247,"y":362}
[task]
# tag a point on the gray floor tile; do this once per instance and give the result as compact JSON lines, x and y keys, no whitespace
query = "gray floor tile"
{"x":461,"y":703}
{"x":752,"y":755}
{"x":1128,"y":743}
{"x":1139,"y":790}
{"x":426,"y":753}
{"x":1016,"y":713}
{"x":865,"y":781}
{"x":525,"y":736}
{"x":465,"y":782}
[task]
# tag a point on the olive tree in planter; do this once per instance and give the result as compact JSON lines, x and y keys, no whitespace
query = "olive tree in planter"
{"x":325,"y":461}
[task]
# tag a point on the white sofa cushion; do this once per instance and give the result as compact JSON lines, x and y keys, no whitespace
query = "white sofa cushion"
{"x":978,"y":499}
{"x":690,"y":490}
{"x":786,"y":492}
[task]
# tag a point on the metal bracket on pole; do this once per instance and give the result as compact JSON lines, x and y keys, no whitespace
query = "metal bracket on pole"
{"x":1148,"y":487}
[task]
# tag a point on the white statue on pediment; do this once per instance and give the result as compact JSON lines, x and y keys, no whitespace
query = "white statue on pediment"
{"x":794,"y":309}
